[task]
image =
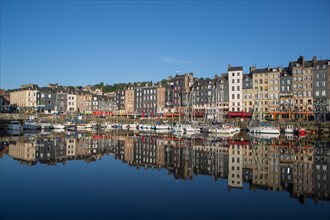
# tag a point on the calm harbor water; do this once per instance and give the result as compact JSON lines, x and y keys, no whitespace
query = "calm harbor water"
{"x":120,"y":175}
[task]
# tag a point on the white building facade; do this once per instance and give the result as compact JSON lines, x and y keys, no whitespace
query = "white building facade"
{"x":235,"y":80}
{"x":72,"y":103}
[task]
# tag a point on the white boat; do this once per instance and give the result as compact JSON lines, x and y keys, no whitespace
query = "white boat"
{"x":30,"y":124}
{"x":191,"y":129}
{"x":45,"y":125}
{"x":265,"y":136}
{"x":224,"y":129}
{"x":264,"y":130}
{"x":261,"y":127}
{"x":289,"y":129}
{"x":58,"y":126}
{"x":70,"y":126}
{"x":163,"y":127}
{"x":81,"y":126}
{"x":15,"y":125}
{"x":58,"y":130}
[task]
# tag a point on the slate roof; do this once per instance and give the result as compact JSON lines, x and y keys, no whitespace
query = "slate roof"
{"x":235,"y":68}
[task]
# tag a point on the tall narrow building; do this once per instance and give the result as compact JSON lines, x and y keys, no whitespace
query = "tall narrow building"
{"x":235,"y":78}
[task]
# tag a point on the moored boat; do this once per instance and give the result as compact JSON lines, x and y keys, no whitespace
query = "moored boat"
{"x":15,"y":125}
{"x":289,"y":129}
{"x":163,"y":127}
{"x":45,"y":125}
{"x":70,"y":126}
{"x":300,"y":131}
{"x":58,"y":126}
{"x":191,"y":128}
{"x":265,"y":136}
{"x":30,"y":124}
{"x":264,"y":130}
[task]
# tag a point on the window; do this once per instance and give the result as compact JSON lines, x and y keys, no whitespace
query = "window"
{"x":233,"y":88}
{"x":233,"y":80}
{"x":238,"y":88}
{"x":233,"y":96}
{"x":323,"y":93}
{"x":233,"y":74}
{"x":238,"y":96}
{"x":238,"y":80}
{"x":238,"y":74}
{"x":317,"y":84}
{"x":324,"y":167}
{"x":317,"y":93}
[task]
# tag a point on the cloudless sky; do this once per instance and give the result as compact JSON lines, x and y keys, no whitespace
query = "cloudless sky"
{"x":87,"y":42}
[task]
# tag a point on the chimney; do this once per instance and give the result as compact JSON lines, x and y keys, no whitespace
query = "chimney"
{"x":301,"y":60}
{"x":314,"y":59}
{"x":252,"y":68}
{"x":229,"y":66}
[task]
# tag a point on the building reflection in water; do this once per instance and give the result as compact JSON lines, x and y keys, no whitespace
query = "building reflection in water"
{"x":299,"y":166}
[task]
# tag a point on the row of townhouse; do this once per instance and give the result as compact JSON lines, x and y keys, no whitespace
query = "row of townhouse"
{"x":56,"y":99}
{"x":303,"y":86}
{"x":147,"y":99}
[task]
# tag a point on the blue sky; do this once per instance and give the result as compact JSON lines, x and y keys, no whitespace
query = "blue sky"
{"x":87,"y":42}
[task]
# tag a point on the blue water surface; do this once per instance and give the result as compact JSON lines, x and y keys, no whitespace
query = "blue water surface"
{"x":111,"y":189}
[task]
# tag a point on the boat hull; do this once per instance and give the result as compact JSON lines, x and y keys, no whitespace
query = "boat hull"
{"x":264,"y":130}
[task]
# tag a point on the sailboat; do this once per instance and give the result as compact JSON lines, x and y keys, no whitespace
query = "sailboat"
{"x":262,"y":128}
